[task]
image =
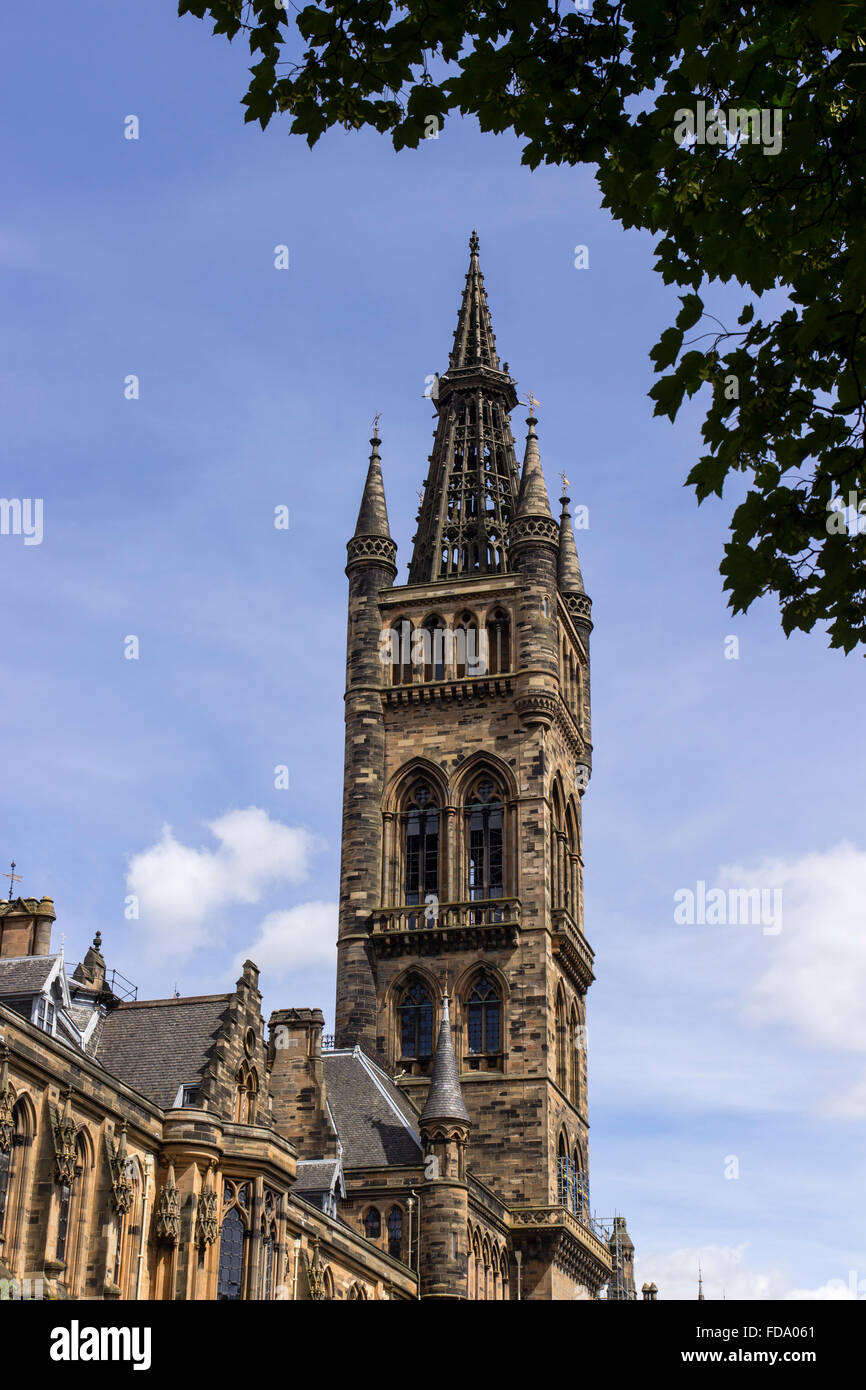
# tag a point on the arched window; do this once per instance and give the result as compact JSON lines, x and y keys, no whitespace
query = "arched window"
{"x":483,"y":1018}
{"x":434,"y":649}
{"x":470,"y":1266}
{"x":233,"y":1243}
{"x":401,"y":652}
{"x":485,"y":816}
{"x":13,"y":1176}
{"x":561,"y":1042}
{"x":574,"y":1038}
{"x":373,"y":1224}
{"x":245,"y":1099}
{"x":421,"y":849}
{"x":479,"y":1268}
{"x":499,"y":642}
{"x":467,"y":657}
{"x":416,"y":1024}
{"x":268,"y":1252}
{"x":395,"y":1233}
{"x":357,"y":1291}
{"x":503,"y":1276}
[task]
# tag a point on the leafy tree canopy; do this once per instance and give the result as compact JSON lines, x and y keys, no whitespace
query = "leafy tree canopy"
{"x":773,"y":200}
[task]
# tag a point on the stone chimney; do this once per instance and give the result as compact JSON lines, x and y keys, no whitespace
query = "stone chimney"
{"x":25,"y":926}
{"x":297,"y":1082}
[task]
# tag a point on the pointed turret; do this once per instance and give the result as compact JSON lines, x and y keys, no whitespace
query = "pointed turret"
{"x":569,"y":577}
{"x":372,"y":541}
{"x":471,"y":487}
{"x":444,"y":1098}
{"x":373,"y":515}
{"x":532,"y":500}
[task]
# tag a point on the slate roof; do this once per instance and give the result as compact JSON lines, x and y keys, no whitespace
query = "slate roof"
{"x":375,"y":1122}
{"x":444,"y":1096}
{"x":316,"y":1174}
{"x":24,"y":974}
{"x":155,"y":1045}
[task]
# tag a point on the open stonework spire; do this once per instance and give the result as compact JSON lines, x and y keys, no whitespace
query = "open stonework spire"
{"x":471,"y":488}
{"x":444,"y":1098}
{"x":474,"y":339}
{"x":569,"y":577}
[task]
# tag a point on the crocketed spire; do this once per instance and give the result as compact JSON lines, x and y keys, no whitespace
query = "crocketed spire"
{"x":373,"y":516}
{"x":445,"y":1098}
{"x":474,"y":339}
{"x":471,"y":488}
{"x":532,"y":500}
{"x":569,"y":577}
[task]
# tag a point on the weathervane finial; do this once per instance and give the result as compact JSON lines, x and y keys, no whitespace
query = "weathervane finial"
{"x":13,"y":878}
{"x":376,"y":418}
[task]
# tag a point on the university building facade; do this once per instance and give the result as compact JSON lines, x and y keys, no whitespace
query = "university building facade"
{"x":437,"y":1146}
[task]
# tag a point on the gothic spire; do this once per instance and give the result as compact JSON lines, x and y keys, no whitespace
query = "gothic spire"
{"x":373,"y":515}
{"x":471,"y":488}
{"x":569,"y":577}
{"x":444,"y":1098}
{"x":474,"y":339}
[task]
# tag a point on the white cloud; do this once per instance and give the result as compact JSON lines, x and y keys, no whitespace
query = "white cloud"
{"x":180,"y":889}
{"x":297,"y":937}
{"x":726,"y":1274}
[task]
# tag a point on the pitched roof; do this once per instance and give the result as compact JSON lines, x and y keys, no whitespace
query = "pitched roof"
{"x":317,"y":1175}
{"x":25,"y":974}
{"x":375,"y":1122}
{"x":156,"y":1045}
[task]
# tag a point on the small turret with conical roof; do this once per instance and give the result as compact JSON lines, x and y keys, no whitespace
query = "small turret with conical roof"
{"x":444,"y":1210}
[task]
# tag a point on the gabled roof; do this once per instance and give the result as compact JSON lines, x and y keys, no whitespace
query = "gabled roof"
{"x":376,"y":1124}
{"x":26,"y":974}
{"x":319,"y":1175}
{"x":157,"y":1045}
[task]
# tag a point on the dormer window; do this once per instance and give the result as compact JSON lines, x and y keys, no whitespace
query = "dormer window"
{"x":45,"y":1015}
{"x":190,"y":1095}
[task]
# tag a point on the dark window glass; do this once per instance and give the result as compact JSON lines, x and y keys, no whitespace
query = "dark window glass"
{"x":422,"y":847}
{"x":395,"y":1233}
{"x":483,"y":1017}
{"x":416,"y":1023}
{"x":485,"y":844}
{"x":373,"y":1224}
{"x":231,"y":1266}
{"x":5,"y":1174}
{"x":63,"y":1220}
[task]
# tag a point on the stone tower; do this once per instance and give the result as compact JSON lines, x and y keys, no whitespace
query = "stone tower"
{"x":468,"y":750}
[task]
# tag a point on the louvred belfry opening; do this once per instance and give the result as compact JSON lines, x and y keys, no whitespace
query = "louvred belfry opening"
{"x":471,"y":488}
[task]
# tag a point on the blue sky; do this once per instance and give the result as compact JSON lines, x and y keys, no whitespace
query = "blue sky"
{"x":155,"y":257}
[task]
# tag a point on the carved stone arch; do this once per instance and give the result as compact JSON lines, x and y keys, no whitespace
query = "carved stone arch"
{"x":84,"y":1138}
{"x":465,"y":979}
{"x":421,"y":972}
{"x":468,"y":771}
{"x":403,"y":780}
